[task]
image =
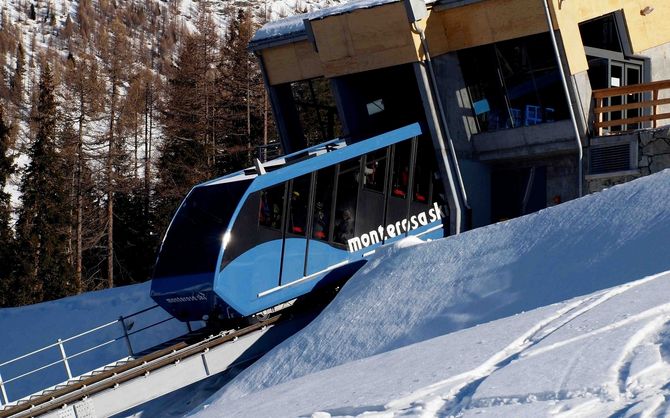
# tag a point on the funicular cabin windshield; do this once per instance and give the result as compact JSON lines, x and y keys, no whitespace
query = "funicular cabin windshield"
{"x":194,"y":238}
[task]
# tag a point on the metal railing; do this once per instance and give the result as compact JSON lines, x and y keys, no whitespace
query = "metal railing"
{"x":64,"y":358}
{"x":625,"y":108}
{"x":268,"y":152}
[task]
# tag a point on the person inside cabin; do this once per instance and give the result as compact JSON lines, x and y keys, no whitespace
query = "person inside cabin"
{"x":264,"y":210}
{"x":298,"y":213}
{"x":401,"y":182}
{"x":344,"y":227}
{"x":320,"y":222}
{"x":276,"y":216}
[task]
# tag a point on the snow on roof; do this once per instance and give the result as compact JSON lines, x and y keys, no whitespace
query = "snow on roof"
{"x":294,"y":26}
{"x":412,"y":293}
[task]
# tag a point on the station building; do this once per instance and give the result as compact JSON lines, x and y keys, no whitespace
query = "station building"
{"x":520,"y":119}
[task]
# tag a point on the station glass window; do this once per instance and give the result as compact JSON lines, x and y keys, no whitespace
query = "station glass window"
{"x":325,"y":179}
{"x":298,"y":206}
{"x":375,"y":170}
{"x":602,"y":33}
{"x":271,"y":207}
{"x":514,"y":83}
{"x":346,"y":200}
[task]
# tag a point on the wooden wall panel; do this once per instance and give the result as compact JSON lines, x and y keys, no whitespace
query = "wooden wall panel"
{"x":644,"y":31}
{"x":292,"y":62}
{"x":490,"y":21}
{"x":364,"y":39}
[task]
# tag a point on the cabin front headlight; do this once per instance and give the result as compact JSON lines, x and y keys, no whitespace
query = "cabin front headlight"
{"x":226,"y":239}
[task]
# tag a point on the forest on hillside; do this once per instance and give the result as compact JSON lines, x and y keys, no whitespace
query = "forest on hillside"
{"x":110,"y":111}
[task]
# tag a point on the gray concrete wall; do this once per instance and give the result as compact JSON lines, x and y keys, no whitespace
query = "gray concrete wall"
{"x":526,"y":141}
{"x":582,"y":100}
{"x":456,"y":101}
{"x":477,"y":181}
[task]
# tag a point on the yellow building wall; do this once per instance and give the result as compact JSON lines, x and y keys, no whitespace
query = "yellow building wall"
{"x":484,"y":23}
{"x":364,"y":39}
{"x":644,"y":31}
{"x":291,"y":62}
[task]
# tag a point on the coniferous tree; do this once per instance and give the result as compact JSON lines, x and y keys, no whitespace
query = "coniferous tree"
{"x":44,"y":272}
{"x":133,"y":235}
{"x":82,"y":104}
{"x":182,"y":162}
{"x":242,"y":90}
{"x":19,"y":72}
{"x":7,"y":244}
{"x":117,"y":59}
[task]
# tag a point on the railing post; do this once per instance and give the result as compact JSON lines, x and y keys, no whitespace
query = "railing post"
{"x":654,"y":112}
{"x":62,"y":353}
{"x":600,"y":104}
{"x":5,"y":400}
{"x":125,"y":334}
{"x":188,"y":326}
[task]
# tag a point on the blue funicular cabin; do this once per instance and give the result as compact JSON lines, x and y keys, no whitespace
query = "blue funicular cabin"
{"x":248,"y":242}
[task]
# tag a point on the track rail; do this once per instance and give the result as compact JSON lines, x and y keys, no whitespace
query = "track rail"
{"x":88,"y":386}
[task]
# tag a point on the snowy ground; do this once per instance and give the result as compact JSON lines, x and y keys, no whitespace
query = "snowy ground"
{"x":565,"y":312}
{"x":562,"y":312}
{"x":597,"y":355}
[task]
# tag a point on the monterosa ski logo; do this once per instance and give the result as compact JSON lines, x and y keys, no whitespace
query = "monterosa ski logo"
{"x":393,"y":230}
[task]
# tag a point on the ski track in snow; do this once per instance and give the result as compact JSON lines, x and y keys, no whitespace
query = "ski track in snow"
{"x":432,"y":401}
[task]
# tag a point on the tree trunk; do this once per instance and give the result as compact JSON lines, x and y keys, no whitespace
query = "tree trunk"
{"x":110,"y":191}
{"x":78,"y":282}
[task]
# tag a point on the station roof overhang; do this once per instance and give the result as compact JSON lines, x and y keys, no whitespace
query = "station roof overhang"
{"x":293,"y":28}
{"x":369,"y":34}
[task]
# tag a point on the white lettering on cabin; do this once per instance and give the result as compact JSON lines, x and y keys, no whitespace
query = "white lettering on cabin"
{"x":393,"y":230}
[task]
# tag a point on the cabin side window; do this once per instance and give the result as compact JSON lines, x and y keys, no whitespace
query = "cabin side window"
{"x":375,"y":170}
{"x":347,"y":198}
{"x":323,"y":201}
{"x":271,"y":207}
{"x":426,"y":184}
{"x":298,"y":205}
{"x":423,"y":172}
{"x":401,"y":165}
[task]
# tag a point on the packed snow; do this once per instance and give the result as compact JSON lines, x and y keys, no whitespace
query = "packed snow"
{"x":564,"y":311}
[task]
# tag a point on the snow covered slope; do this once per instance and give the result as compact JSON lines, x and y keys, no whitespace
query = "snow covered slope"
{"x":413,"y":293}
{"x":29,"y":328}
{"x":605,"y":354}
